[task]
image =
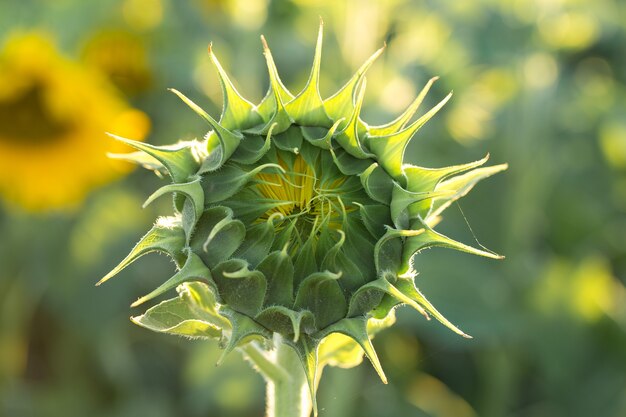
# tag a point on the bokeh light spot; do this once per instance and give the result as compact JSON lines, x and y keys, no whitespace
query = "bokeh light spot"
{"x":573,"y":30}
{"x":540,"y":71}
{"x":143,"y":14}
{"x":613,"y":143}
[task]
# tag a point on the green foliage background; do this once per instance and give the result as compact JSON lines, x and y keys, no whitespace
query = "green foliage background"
{"x":540,"y":84}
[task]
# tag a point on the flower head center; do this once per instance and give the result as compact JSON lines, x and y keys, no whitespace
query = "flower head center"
{"x":302,"y":194}
{"x":26,"y":118}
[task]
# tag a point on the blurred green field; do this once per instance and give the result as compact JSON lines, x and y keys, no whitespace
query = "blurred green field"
{"x":540,"y":84}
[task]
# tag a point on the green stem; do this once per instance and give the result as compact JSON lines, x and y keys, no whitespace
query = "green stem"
{"x":287,"y":388}
{"x":289,"y":397}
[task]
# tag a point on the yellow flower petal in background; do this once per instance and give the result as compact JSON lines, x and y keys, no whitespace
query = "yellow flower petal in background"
{"x":53,"y":119}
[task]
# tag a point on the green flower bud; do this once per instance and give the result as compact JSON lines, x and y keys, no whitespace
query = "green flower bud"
{"x":296,"y":217}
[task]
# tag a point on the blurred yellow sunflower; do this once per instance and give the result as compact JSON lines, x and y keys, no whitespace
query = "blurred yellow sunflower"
{"x":53,"y":117}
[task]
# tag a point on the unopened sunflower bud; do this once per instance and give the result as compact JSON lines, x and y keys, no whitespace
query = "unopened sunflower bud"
{"x":296,"y":217}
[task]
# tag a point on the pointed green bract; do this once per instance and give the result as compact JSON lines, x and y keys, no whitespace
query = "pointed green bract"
{"x":307,"y":108}
{"x":419,"y":179}
{"x":389,"y":149}
{"x":166,"y":236}
{"x":243,"y":329}
{"x":399,"y":123}
{"x":179,"y":160}
{"x":407,"y":205}
{"x":356,"y":329}
{"x":384,"y":286}
{"x":297,"y":223}
{"x":427,"y":179}
{"x":224,"y":183}
{"x":272,"y":108}
{"x":190,"y":314}
{"x":237,"y":112}
{"x":407,"y":287}
{"x":323,"y":141}
{"x":348,"y":164}
{"x":306,"y":349}
{"x":251,"y":149}
{"x":337,"y":349}
{"x":349,"y":138}
{"x":428,"y":238}
{"x":192,"y":190}
{"x":276,"y":85}
{"x":285,"y":321}
{"x":143,"y":159}
{"x":192,"y":270}
{"x":462,"y":185}
{"x":342,"y":103}
{"x":227,"y":141}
